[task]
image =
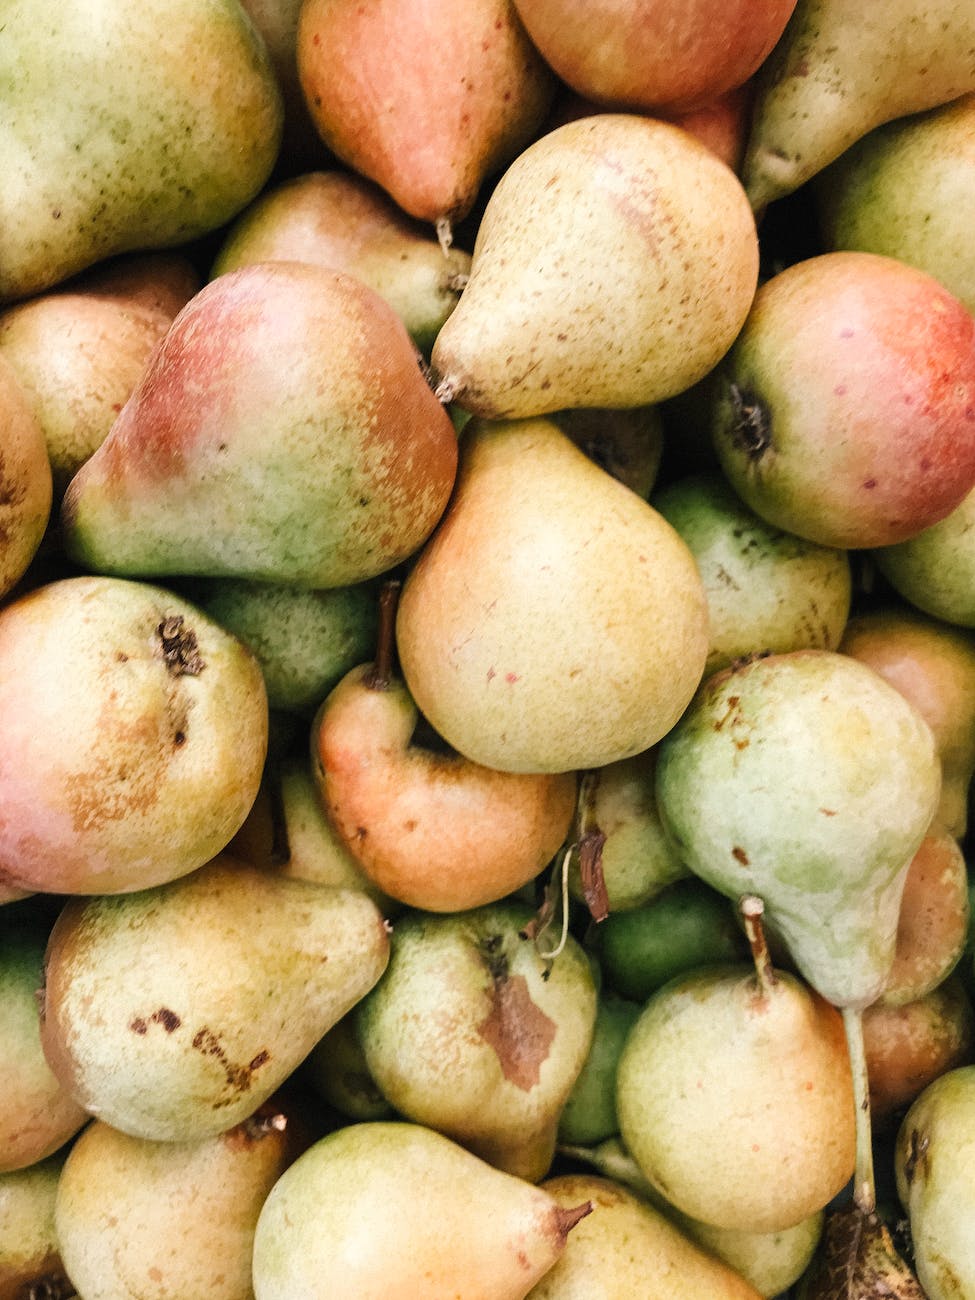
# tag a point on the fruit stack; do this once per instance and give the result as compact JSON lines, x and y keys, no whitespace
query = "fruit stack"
{"x":487,"y":669}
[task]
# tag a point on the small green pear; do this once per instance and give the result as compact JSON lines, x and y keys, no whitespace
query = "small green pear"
{"x":173,"y":1012}
{"x":173,"y":124}
{"x":337,"y":1071}
{"x":30,"y":1260}
{"x":396,"y":1211}
{"x":589,"y":1114}
{"x":935,"y":569}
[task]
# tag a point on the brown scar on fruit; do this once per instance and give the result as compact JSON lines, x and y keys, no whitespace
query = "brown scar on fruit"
{"x":917,"y":1154}
{"x":239,"y":1077}
{"x":740,"y":855}
{"x":179,"y":647}
{"x":518,"y":1031}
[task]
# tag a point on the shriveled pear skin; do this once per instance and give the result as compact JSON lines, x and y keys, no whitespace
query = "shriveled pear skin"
{"x":173,"y":125}
{"x":395,"y":1211}
{"x":25,"y":479}
{"x":601,"y":274}
{"x":134,"y":736}
{"x":555,"y":621}
{"x":172,"y":1013}
{"x":840,"y":70}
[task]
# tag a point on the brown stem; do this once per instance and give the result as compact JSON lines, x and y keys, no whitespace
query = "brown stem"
{"x":379,"y":675}
{"x":566,"y":1220}
{"x":590,"y":841}
{"x":752,"y":909}
{"x":864,"y":1190}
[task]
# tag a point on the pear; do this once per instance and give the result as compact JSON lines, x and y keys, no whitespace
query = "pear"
{"x":933,"y":1163}
{"x":935,"y":569}
{"x":625,"y":1243}
{"x":80,"y":350}
{"x":627,"y":443}
{"x":425,"y":99}
{"x":767,"y":590}
{"x":838,"y":72}
{"x":808,"y":780}
{"x":341,"y":220}
{"x":932,"y":664}
{"x":903,"y":190}
{"x":473,"y":1032}
{"x":589,"y":1114}
{"x":30,"y":1260}
{"x":277,"y":24}
{"x":337,"y":1071}
{"x":173,"y":125}
{"x":283,"y":431}
{"x":394,"y":1211}
{"x":601,"y":274}
{"x":169,"y":1218}
{"x":25,"y":479}
{"x":172,"y":1013}
{"x":134,"y":736}
{"x":555,"y":621}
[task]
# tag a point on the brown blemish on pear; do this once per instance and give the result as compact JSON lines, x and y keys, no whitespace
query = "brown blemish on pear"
{"x":516,"y":1028}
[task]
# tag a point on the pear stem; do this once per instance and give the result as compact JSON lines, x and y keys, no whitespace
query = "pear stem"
{"x":445,"y":233}
{"x":566,"y":1220}
{"x":563,"y":938}
{"x":864,"y":1189}
{"x":379,"y":675}
{"x":751,"y":909}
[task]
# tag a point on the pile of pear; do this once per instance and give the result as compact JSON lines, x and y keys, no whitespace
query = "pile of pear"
{"x":487,"y":650}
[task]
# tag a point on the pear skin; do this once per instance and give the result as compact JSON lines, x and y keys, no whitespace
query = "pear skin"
{"x":627,"y":444}
{"x":25,"y":479}
{"x":283,"y":431}
{"x":935,"y":569}
{"x":29,"y":1252}
{"x":180,"y":1214}
{"x":344,"y":221}
{"x":134,"y":736}
{"x":555,"y":621}
{"x":394,"y":1211}
{"x":600,"y":275}
{"x":425,"y":99}
{"x":838,"y":72}
{"x":173,"y":126}
{"x":211,"y":990}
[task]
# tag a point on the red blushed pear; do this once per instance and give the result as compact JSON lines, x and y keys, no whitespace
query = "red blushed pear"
{"x":425,"y":97}
{"x":283,"y":431}
{"x":645,"y":54}
{"x":430,"y":828}
{"x":845,"y":410}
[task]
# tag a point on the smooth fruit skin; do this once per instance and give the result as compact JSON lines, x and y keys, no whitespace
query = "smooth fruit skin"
{"x":25,"y":479}
{"x":28,"y":1240}
{"x":935,"y":569}
{"x":845,"y":411}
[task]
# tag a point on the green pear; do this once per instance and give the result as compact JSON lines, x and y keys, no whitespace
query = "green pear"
{"x":133,"y":741}
{"x":472,"y":1032}
{"x":25,"y":479}
{"x":627,"y":443}
{"x":173,"y":1012}
{"x":395,"y":1211}
{"x":904,"y":189}
{"x":337,"y":1071}
{"x":767,"y":590}
{"x":282,"y":431}
{"x":808,"y":780}
{"x":935,"y":569}
{"x":933,"y":1164}
{"x":172,"y":126}
{"x":341,"y":220}
{"x":555,"y":621}
{"x":589,"y":1114}
{"x":30,"y":1260}
{"x":838,"y":72}
{"x":626,"y":1246}
{"x":613,"y":266}
{"x":136,"y":1218}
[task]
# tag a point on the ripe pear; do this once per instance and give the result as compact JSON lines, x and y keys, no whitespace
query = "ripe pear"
{"x":837,"y":72}
{"x":426,"y":98}
{"x":168,"y":1218}
{"x":30,"y":1261}
{"x":394,"y":1211}
{"x":903,"y":190}
{"x":623,"y":1244}
{"x":767,"y":590}
{"x":472,"y":1032}
{"x":808,"y":780}
{"x":25,"y":479}
{"x":935,"y":570}
{"x":933,"y":1164}
{"x":602,"y":273}
{"x":283,"y":431}
{"x":341,"y":220}
{"x":134,"y":736}
{"x":173,"y":124}
{"x":555,"y":621}
{"x":172,"y":1013}
{"x":932,"y":664}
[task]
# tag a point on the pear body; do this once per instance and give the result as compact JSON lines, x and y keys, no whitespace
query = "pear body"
{"x":211,"y":990}
{"x":933,"y":1162}
{"x":26,"y":489}
{"x":537,"y":534}
{"x":174,"y":125}
{"x":393,"y":1211}
{"x":29,"y":1253}
{"x":838,"y":72}
{"x":282,"y":432}
{"x":935,"y":569}
{"x":601,"y":274}
{"x":808,"y":780}
{"x":736,"y":1100}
